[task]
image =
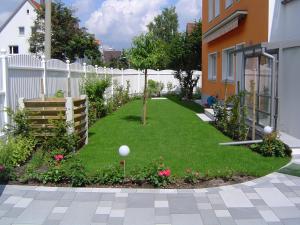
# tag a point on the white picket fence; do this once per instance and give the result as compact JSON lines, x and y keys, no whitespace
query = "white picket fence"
{"x":25,"y":76}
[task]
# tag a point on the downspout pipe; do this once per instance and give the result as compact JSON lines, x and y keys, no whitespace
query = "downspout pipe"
{"x":274,"y":87}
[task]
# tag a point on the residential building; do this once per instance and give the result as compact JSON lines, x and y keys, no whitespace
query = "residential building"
{"x":110,"y":54}
{"x":16,"y":30}
{"x":254,"y":46}
{"x":190,"y":27}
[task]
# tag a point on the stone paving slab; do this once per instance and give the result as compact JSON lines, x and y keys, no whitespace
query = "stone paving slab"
{"x":270,"y":200}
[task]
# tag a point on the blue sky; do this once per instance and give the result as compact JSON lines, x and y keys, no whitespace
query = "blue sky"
{"x":116,"y":22}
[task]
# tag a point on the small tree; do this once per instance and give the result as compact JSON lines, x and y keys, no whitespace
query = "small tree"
{"x":147,"y":52}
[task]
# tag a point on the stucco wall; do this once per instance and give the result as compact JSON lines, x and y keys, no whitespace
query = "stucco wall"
{"x":284,"y":21}
{"x":10,"y":34}
{"x":289,"y":92}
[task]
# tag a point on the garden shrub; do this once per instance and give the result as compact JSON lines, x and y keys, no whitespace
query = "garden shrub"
{"x":272,"y":146}
{"x":192,"y":177}
{"x":232,"y":122}
{"x":110,"y":175}
{"x":75,"y":172}
{"x":121,"y":96}
{"x":95,"y":88}
{"x":155,"y":88}
{"x":170,"y":87}
{"x":59,"y":94}
{"x":19,"y":124}
{"x":60,"y":141}
{"x":16,"y":150}
{"x":158,"y":174}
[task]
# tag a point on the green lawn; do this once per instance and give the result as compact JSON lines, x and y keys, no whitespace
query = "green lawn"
{"x":173,"y":132}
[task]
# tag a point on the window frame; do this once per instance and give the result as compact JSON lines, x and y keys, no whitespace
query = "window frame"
{"x":20,"y":33}
{"x":227,"y":5}
{"x":227,"y":66}
{"x":12,"y":49}
{"x":212,"y":76}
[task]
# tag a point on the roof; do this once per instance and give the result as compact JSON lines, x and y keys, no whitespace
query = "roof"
{"x":36,"y":5}
{"x":190,"y":27}
{"x":109,"y":55}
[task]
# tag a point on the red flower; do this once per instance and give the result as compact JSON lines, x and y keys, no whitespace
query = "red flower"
{"x":2,"y":168}
{"x":58,"y":157}
{"x":164,"y":173}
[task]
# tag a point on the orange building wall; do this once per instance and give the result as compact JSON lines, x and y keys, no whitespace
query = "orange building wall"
{"x":252,"y":30}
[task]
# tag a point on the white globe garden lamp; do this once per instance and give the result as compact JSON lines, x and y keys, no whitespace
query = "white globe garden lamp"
{"x":268,"y":130}
{"x":124,"y":151}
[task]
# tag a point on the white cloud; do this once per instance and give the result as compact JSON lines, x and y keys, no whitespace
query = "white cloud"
{"x":188,"y":11}
{"x":82,"y":7}
{"x":118,"y":21}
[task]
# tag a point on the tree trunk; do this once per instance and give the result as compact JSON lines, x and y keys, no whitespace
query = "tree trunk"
{"x":145,"y":98}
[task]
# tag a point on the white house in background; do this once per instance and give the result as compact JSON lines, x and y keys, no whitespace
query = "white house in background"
{"x":16,"y":30}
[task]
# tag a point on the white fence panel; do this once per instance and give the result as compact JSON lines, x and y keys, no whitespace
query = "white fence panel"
{"x":56,"y":80}
{"x":25,"y":83}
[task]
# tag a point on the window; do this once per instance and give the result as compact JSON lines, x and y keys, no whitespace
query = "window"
{"x":228,"y":64}
{"x":21,"y":31}
{"x":27,"y":11}
{"x":217,"y":8}
{"x":228,"y":3}
{"x":210,"y":10}
{"x":13,"y":49}
{"x":212,"y":66}
{"x":213,"y":9}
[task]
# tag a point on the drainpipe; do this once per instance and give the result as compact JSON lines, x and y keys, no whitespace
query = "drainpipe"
{"x":274,"y":88}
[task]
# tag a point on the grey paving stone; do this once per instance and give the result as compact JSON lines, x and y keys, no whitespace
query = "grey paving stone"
{"x":119,"y":205}
{"x":139,"y":216}
{"x":30,"y":194}
{"x":251,"y":222}
{"x":68,"y":196}
{"x":80,"y":213}
{"x":202,"y":199}
{"x":55,"y":216}
{"x":209,"y":217}
{"x":14,"y":212}
{"x":162,"y":211}
{"x":182,"y":205}
{"x":267,"y":194}
{"x":258,"y":202}
{"x":51,"y":222}
{"x":286,"y":212}
{"x":140,"y":201}
{"x":63,"y":203}
{"x":269,"y":216}
{"x":48,"y":195}
{"x":162,"y":220}
{"x":100,"y":218}
{"x":295,"y":221}
{"x":87,"y":197}
{"x":115,"y":221}
{"x":219,"y":206}
{"x":244,"y":213}
{"x":182,"y":219}
{"x":235,"y":198}
{"x":36,"y":213}
{"x":108,"y":197}
{"x":6,"y":221}
{"x":226,"y":221}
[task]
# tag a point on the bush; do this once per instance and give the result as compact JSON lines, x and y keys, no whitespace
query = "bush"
{"x":272,"y":146}
{"x":60,"y":141}
{"x":158,"y":174}
{"x":16,"y":150}
{"x":121,"y":97}
{"x":59,"y":94}
{"x":19,"y":123}
{"x":109,"y":175}
{"x":170,"y":87}
{"x":155,"y":88}
{"x":75,"y":173}
{"x":95,"y":88}
{"x":192,"y":177}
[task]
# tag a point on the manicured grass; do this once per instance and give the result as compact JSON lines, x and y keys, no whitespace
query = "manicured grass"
{"x":174,"y":132}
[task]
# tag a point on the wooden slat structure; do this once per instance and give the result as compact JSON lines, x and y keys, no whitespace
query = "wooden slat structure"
{"x":72,"y":110}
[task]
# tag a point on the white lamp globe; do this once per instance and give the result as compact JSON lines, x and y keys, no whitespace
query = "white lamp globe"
{"x":268,"y":130}
{"x":124,"y":150}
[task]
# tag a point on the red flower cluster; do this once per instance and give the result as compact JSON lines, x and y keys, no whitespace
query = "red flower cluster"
{"x":164,"y":173}
{"x":58,"y":157}
{"x":2,"y":168}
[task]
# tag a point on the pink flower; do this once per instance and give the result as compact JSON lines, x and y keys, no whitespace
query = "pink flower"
{"x":167,"y":172}
{"x":164,"y":173}
{"x":2,"y":168}
{"x":58,"y":157}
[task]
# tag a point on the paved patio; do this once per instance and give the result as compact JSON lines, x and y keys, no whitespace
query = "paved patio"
{"x":270,"y":200}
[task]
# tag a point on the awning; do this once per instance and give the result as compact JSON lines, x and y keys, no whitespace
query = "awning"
{"x":227,"y":25}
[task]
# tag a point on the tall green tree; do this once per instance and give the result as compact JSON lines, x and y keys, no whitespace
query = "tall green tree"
{"x":185,"y":54}
{"x":165,"y":26}
{"x":68,"y":40}
{"x":147,"y":52}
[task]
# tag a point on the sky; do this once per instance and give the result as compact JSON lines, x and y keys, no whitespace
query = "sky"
{"x":116,"y":22}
